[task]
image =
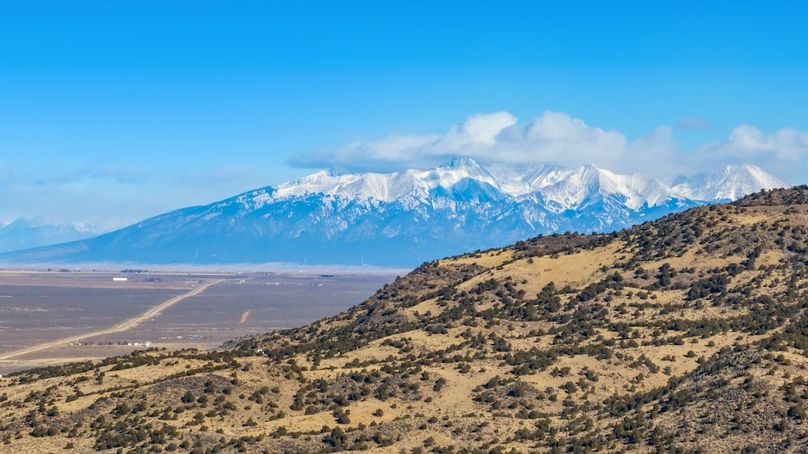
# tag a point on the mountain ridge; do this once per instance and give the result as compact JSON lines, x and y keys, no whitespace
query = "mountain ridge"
{"x":401,"y":218}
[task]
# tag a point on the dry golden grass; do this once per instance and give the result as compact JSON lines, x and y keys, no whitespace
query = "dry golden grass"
{"x":533,"y":274}
{"x":691,"y":259}
{"x":491,"y":259}
{"x":429,"y":306}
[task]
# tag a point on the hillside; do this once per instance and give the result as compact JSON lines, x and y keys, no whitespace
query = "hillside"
{"x":403,"y":218}
{"x":686,"y":334}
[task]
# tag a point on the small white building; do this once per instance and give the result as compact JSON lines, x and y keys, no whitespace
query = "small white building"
{"x":120,"y":279}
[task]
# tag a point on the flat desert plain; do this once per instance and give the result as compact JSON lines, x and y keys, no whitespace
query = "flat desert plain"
{"x":50,"y":317}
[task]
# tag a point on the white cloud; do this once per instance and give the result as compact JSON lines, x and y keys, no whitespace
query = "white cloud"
{"x":556,"y":137}
{"x":786,"y":143}
{"x":782,"y":152}
{"x":479,"y":130}
{"x":494,"y":137}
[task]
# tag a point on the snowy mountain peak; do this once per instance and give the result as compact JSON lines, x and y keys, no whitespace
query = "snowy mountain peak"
{"x":459,"y":169}
{"x":564,"y":188}
{"x":733,"y":182}
{"x":336,"y":171}
{"x":460,"y":162}
{"x":571,"y":188}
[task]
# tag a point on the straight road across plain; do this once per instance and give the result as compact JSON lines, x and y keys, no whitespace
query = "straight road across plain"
{"x":125,"y":325}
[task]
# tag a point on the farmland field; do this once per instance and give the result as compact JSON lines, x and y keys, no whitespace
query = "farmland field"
{"x":51,"y":317}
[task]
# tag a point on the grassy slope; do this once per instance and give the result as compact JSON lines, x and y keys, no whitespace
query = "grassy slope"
{"x":688,"y":333}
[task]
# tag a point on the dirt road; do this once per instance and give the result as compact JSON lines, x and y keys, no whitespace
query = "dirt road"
{"x":120,"y":327}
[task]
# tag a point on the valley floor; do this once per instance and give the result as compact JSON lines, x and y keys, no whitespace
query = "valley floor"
{"x":54,"y":317}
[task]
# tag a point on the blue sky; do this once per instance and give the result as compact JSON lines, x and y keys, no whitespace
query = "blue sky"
{"x":113,"y":111}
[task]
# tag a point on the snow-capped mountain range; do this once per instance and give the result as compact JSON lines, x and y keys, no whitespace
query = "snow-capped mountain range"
{"x":402,"y":218}
{"x":564,"y":188}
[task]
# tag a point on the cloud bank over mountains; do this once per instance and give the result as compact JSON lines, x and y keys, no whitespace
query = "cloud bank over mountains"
{"x":784,"y":144}
{"x":559,"y":138}
{"x":114,"y":193}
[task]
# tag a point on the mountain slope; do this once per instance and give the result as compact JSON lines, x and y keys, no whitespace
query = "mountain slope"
{"x":686,"y":334}
{"x":400,"y":219}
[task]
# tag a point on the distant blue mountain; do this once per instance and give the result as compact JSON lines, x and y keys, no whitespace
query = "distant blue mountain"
{"x":28,"y":233}
{"x":399,"y":219}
